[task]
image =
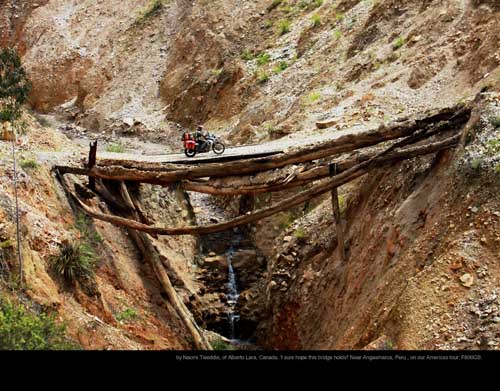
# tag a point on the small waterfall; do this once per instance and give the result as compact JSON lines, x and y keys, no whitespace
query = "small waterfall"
{"x":232,"y":290}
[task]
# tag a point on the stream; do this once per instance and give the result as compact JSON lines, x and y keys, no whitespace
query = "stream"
{"x":229,"y":285}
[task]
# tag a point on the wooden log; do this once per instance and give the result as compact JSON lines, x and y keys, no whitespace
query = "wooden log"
{"x":226,"y":187}
{"x":174,"y":173}
{"x":152,"y":256}
{"x":326,"y":124}
{"x":316,"y":190}
{"x":91,"y":163}
{"x":338,"y":217}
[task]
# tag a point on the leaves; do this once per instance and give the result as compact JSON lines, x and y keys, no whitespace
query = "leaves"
{"x":14,"y":85}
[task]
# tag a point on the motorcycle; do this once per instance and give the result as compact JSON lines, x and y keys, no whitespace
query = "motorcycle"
{"x":191,"y":147}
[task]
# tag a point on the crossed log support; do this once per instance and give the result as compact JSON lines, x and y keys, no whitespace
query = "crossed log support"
{"x":338,"y":216}
{"x":311,"y":165}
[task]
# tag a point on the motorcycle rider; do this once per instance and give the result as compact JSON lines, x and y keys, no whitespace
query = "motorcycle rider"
{"x":201,"y":137}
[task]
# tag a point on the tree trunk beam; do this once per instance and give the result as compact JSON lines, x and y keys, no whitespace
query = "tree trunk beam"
{"x":161,"y":174}
{"x":226,"y":186}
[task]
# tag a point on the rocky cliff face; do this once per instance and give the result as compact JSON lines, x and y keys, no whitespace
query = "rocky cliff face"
{"x":423,"y":245}
{"x":260,"y":70}
{"x":253,"y":70}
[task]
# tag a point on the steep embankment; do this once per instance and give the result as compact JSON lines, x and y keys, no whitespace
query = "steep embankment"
{"x":263,"y":69}
{"x":123,"y":306}
{"x":423,"y":263}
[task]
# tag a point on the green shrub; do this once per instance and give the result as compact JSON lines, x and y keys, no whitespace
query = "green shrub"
{"x":316,"y":20}
{"x":339,"y":17}
{"x":14,"y":85}
{"x":247,"y":55}
{"x":337,"y":34}
{"x":6,"y":244}
{"x":398,"y":43}
{"x":476,"y":164}
{"x":283,"y":27}
{"x":128,"y":315}
{"x":75,"y":262}
{"x":21,"y":329}
{"x":219,"y":344}
{"x":280,"y":67}
{"x":495,"y":121}
{"x":116,"y":148}
{"x":287,"y":220}
{"x":493,"y":147}
{"x":153,"y":8}
{"x":299,"y":234}
{"x":313,"y":97}
{"x":317,"y":3}
{"x":262,"y":77}
{"x":84,"y":224}
{"x":29,"y":164}
{"x":263,"y":59}
{"x":270,"y":129}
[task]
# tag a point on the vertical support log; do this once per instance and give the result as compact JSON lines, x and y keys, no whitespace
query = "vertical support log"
{"x":92,"y":161}
{"x":336,"y":213}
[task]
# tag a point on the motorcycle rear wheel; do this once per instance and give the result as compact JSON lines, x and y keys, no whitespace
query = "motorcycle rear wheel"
{"x":218,"y":148}
{"x":189,"y":152}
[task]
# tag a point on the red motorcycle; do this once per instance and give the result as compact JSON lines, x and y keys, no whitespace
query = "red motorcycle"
{"x":191,"y":147}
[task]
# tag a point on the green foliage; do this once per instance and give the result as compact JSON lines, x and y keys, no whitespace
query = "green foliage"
{"x":316,"y":20}
{"x":287,"y":220}
{"x":247,"y":55}
{"x":283,"y":27}
{"x":84,"y":224}
{"x":217,"y":72}
{"x":342,"y":203}
{"x":339,"y":17}
{"x":337,"y":34}
{"x":262,"y":77}
{"x":280,"y":67}
{"x":313,"y":97}
{"x":270,"y":129}
{"x":274,"y":4}
{"x":14,"y":85}
{"x":263,"y":58}
{"x":476,"y":164}
{"x":299,"y":234}
{"x":398,"y":43}
{"x":22,"y":330}
{"x":6,"y":244}
{"x":493,"y":147}
{"x":29,"y":164}
{"x":219,"y":344}
{"x":310,"y":4}
{"x":153,"y":8}
{"x":128,"y":315}
{"x":75,"y":262}
{"x":117,"y":148}
{"x":495,"y":121}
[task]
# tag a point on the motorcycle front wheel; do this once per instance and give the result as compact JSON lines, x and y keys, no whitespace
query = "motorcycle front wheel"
{"x":218,"y":147}
{"x":189,"y":152}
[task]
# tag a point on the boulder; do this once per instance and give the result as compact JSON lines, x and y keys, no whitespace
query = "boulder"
{"x":218,"y":262}
{"x":245,"y":259}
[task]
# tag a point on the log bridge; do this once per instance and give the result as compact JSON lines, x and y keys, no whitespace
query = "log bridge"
{"x":318,"y":168}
